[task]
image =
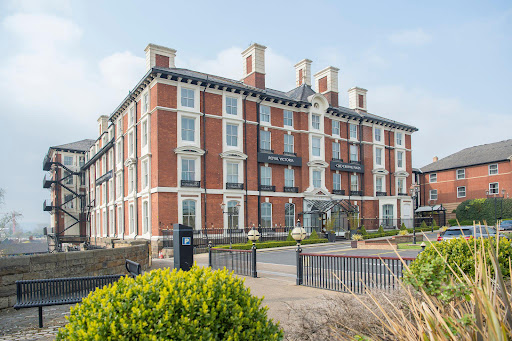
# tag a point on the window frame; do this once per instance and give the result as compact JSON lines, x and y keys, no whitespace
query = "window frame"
{"x":497,"y":169}
{"x":266,"y":206}
{"x":351,"y":149}
{"x":264,"y":176}
{"x":262,"y":140}
{"x":145,"y":216}
{"x":378,"y":156}
{"x":291,"y":138}
{"x":313,"y":147}
{"x":316,"y":182}
{"x":144,"y":128}
{"x":354,"y":183}
{"x":285,"y":119}
{"x":430,"y":180}
{"x":336,"y":148}
{"x":265,"y":114}
{"x":229,"y":106}
{"x":336,"y":124}
{"x":287,"y":215}
{"x":289,"y":177}
{"x":457,"y":174}
{"x":375,"y":129}
{"x":185,"y":218}
{"x":184,"y":93}
{"x":497,"y":188}
{"x":315,"y":121}
{"x":461,"y":187}
{"x":229,"y":169}
{"x":185,"y":174}
{"x":400,"y":156}
{"x":336,"y":181}
{"x":353,"y":131}
{"x":185,"y":129}
{"x":433,"y":191}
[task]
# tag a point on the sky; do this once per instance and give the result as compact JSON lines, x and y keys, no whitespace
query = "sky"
{"x":442,"y":66}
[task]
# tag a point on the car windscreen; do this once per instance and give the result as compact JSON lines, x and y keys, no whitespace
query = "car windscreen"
{"x":459,"y":232}
{"x":506,"y":223}
{"x":485,"y":230}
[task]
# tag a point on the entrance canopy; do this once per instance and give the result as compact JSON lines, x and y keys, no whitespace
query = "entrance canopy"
{"x":323,"y":206}
{"x":430,"y":209}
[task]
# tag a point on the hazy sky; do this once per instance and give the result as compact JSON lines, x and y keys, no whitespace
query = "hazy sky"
{"x":442,"y":66}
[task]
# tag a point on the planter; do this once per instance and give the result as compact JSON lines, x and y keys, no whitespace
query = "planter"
{"x":353,"y":244}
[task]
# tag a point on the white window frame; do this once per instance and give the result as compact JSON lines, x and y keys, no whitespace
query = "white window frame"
{"x":353,"y":131}
{"x":266,"y":133}
{"x":263,"y":114}
{"x":145,"y":174}
{"x":120,"y":127}
{"x":336,"y":150}
{"x":184,"y":93}
{"x":289,"y":177}
{"x":131,"y":219}
{"x":131,"y":142}
{"x":381,"y":178}
{"x":229,"y":107}
{"x":352,"y":182}
{"x":187,"y":119}
{"x":131,"y":115}
{"x":497,"y":169}
{"x":190,"y":173}
{"x":458,"y":194}
{"x":266,"y":205}
{"x":497,"y":188}
{"x":399,"y":138}
{"x":336,"y":181}
{"x":285,"y":119}
{"x":145,"y":216}
{"x":433,"y":195}
{"x":195,"y":227}
{"x":434,"y":180}
{"x":318,"y":148}
{"x":317,"y":181}
{"x":67,"y":157}
{"x":266,"y":174}
{"x":377,"y":151}
{"x":315,"y":121}
{"x":144,"y":128}
{"x":355,"y":148}
{"x":287,"y":216}
{"x":111,"y":222}
{"x":457,"y":174}
{"x":287,"y":148}
{"x":336,"y":125}
{"x":378,"y":140}
{"x":229,"y":138}
{"x":120,"y":226}
{"x":229,"y":174}
{"x":400,"y":160}
{"x":119,"y":185}
{"x":145,"y":102}
{"x":398,"y":189}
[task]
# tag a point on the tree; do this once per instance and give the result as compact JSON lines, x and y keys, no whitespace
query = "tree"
{"x":7,"y":219}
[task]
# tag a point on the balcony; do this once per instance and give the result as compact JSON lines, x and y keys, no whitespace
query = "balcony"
{"x":234,"y":185}
{"x":403,"y":194}
{"x":46,"y":207}
{"x":47,"y":183}
{"x":336,"y":159}
{"x":268,"y":151}
{"x":267,"y":188}
{"x":338,"y":191}
{"x":381,"y":194}
{"x":356,"y":193}
{"x":290,"y":153}
{"x":291,"y":189}
{"x":190,"y":183}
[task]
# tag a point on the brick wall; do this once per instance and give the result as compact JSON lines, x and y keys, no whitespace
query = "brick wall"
{"x":68,"y":264}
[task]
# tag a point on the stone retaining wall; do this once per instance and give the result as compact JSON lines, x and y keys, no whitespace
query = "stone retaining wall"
{"x":66,"y":264}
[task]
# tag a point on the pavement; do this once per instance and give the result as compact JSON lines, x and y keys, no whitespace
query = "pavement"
{"x":275,"y":283}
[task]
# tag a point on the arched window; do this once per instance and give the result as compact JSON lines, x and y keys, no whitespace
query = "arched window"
{"x":266,"y":214}
{"x":233,"y":214}
{"x":289,"y":215}
{"x":189,"y":213}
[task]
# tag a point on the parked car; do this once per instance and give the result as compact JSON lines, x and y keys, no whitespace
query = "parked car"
{"x":468,"y":232}
{"x":506,"y":225}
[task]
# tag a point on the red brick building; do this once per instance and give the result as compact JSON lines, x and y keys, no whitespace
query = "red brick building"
{"x":476,"y":172}
{"x":183,"y":142}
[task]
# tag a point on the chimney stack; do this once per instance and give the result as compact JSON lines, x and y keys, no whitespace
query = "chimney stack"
{"x":159,"y":56}
{"x":254,"y":66}
{"x":435,"y":159}
{"x":102,"y":124}
{"x":357,"y":98}
{"x":303,"y":72}
{"x":326,"y":82}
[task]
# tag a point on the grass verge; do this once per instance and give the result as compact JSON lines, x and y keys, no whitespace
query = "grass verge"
{"x":271,"y":244}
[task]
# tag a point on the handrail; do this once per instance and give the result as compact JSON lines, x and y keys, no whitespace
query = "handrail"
{"x":364,"y":257}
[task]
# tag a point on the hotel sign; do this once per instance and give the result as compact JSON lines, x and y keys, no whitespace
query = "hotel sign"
{"x":347,"y":167}
{"x":280,"y":159}
{"x":103,"y":178}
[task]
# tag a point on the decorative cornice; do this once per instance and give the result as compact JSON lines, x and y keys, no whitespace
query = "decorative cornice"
{"x":380,"y":171}
{"x":233,"y":154}
{"x":191,"y":150}
{"x":401,"y":174}
{"x":318,"y":163}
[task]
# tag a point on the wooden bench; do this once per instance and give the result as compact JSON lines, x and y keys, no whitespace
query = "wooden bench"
{"x":57,"y":291}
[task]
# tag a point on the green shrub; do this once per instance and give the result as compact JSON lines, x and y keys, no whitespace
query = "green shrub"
{"x":403,"y":227}
{"x":430,"y":271}
{"x":362,"y":230}
{"x":452,"y":222}
{"x":381,"y":229}
{"x":313,"y":235}
{"x":483,"y":210}
{"x":271,"y":244}
{"x":434,"y":223}
{"x":423,"y":225}
{"x":199,"y":304}
{"x":290,"y":238}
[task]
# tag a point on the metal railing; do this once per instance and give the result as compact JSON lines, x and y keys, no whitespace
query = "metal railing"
{"x":350,"y":273}
{"x":221,"y":236}
{"x":242,"y":262}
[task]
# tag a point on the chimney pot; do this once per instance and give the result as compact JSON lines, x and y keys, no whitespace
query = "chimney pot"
{"x":159,"y":56}
{"x":435,"y":159}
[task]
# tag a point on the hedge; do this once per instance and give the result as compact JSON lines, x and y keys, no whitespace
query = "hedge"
{"x":481,"y":210}
{"x":268,"y":245}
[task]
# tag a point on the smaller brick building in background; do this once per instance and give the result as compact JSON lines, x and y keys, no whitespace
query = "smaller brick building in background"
{"x":474,"y":172}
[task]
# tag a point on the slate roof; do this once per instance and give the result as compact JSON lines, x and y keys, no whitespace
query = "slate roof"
{"x":81,"y":146}
{"x":477,"y":155}
{"x":299,"y":94}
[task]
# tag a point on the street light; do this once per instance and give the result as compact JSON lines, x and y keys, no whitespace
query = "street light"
{"x":432,"y":204}
{"x":253,"y":236}
{"x":496,"y":196}
{"x":299,"y":233}
{"x":414,"y":193}
{"x":230,"y":214}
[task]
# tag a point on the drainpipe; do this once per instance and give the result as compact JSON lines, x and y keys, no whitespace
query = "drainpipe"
{"x":245,"y":152}
{"x":136,"y":171}
{"x":361,"y":159}
{"x":257,"y":163}
{"x":204,"y":155}
{"x":389,"y":161}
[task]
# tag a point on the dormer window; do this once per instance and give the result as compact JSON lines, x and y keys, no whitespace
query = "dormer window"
{"x":315,"y":121}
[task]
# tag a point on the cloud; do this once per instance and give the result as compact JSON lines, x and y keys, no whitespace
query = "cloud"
{"x":121,"y":71}
{"x":40,"y":6}
{"x":446,"y":125}
{"x":416,"y":37}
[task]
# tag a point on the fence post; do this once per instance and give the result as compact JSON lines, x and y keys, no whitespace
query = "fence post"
{"x":254,"y":271}
{"x":209,"y":254}
{"x":299,"y":265}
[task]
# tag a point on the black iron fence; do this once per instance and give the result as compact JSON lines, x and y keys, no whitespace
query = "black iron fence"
{"x":350,"y":273}
{"x":221,"y":236}
{"x":242,"y":262}
{"x":390,"y":223}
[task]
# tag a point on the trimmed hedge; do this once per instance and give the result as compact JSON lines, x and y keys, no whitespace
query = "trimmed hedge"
{"x":378,"y":235}
{"x":199,"y":304}
{"x":268,"y":245}
{"x":482,"y":210}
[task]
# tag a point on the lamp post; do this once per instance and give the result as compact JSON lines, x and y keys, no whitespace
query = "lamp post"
{"x":432,"y":204}
{"x":496,"y":196}
{"x":253,"y":236}
{"x":299,"y":233}
{"x":414,"y":193}
{"x":230,"y":214}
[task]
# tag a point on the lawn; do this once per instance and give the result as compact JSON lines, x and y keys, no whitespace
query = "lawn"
{"x":410,"y":246}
